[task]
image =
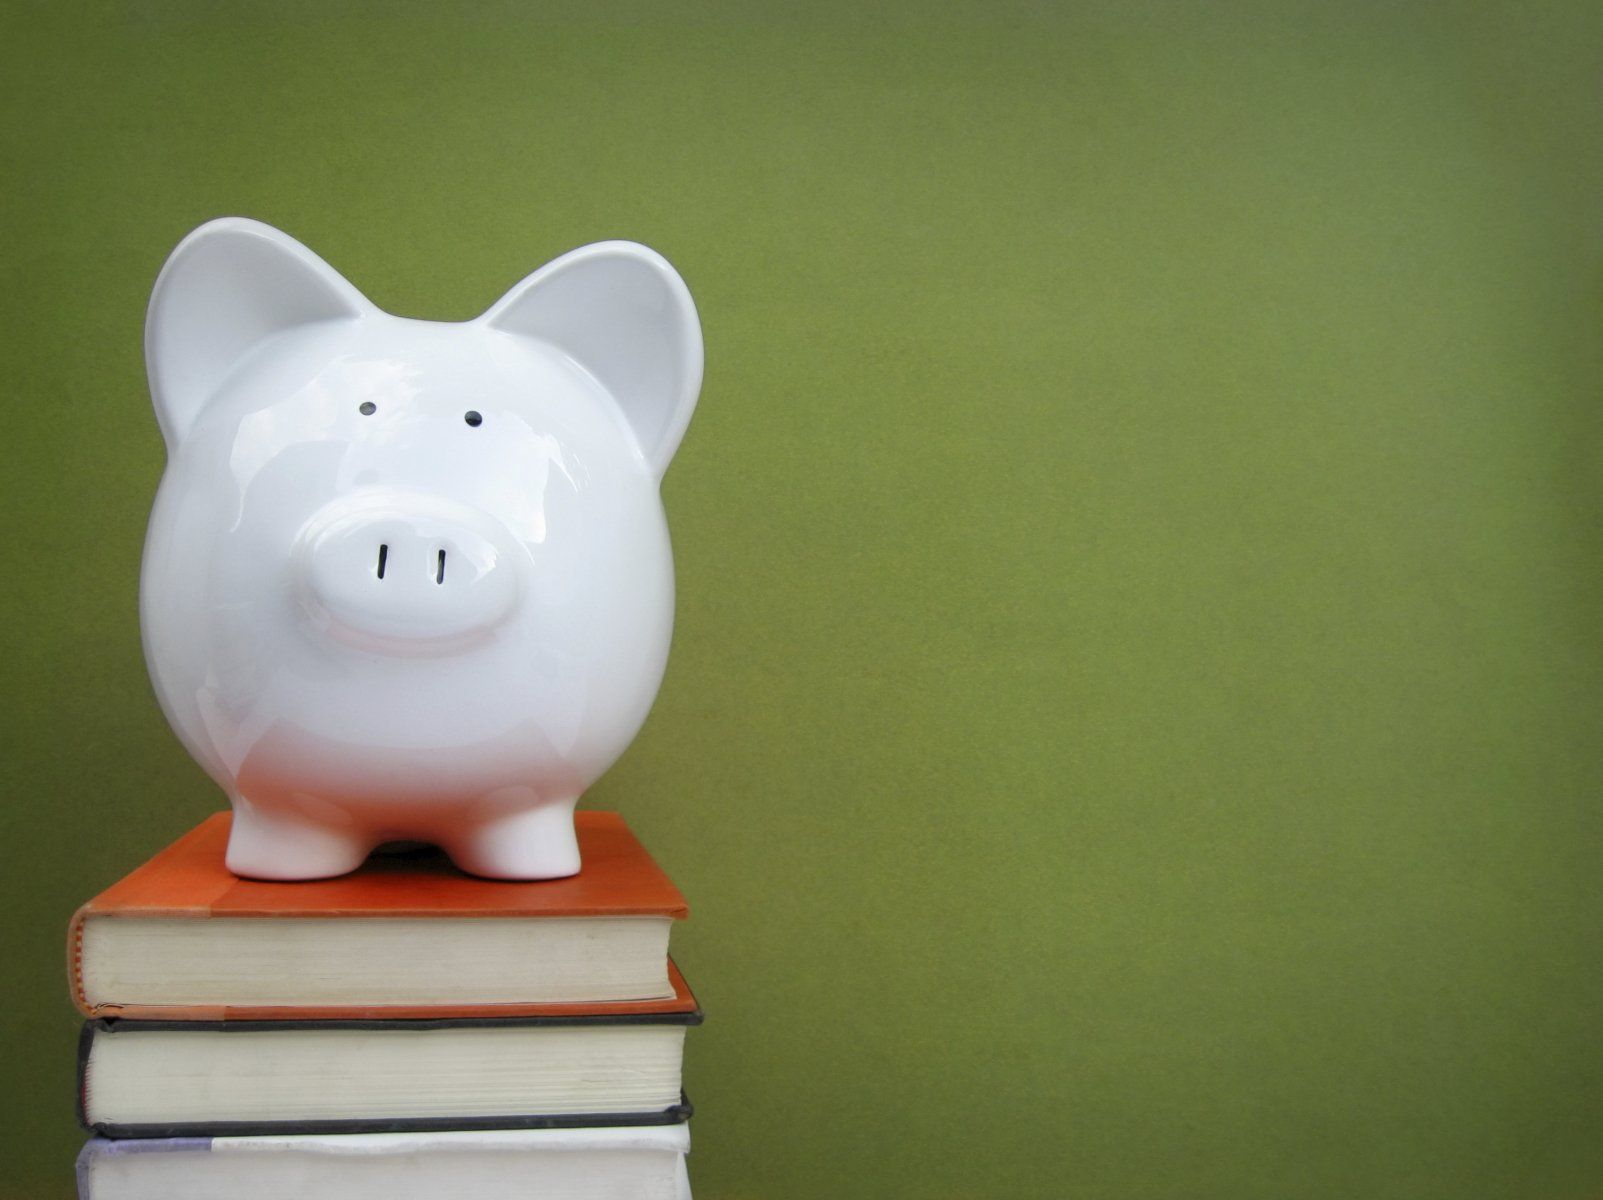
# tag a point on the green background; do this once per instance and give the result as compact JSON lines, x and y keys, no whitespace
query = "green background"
{"x":1133,"y":724}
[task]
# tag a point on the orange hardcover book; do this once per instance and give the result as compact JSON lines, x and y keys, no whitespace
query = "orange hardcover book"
{"x":407,"y":936}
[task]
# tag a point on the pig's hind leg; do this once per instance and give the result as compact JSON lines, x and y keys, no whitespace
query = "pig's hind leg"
{"x":267,"y":845}
{"x":536,"y":842}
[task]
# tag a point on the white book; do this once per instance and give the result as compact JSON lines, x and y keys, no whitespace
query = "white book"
{"x":623,"y":1163}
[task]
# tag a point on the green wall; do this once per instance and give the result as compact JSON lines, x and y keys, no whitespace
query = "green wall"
{"x":1133,"y":726}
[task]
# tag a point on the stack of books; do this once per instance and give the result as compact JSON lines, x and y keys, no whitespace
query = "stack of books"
{"x":404,"y":1031}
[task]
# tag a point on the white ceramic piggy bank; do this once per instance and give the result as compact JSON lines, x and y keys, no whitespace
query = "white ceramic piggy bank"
{"x":410,"y":580}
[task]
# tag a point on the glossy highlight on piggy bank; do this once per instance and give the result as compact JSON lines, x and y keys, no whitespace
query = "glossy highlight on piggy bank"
{"x":410,"y":580}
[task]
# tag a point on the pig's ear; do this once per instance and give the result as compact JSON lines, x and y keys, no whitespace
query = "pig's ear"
{"x":229,"y":286}
{"x":624,"y":315}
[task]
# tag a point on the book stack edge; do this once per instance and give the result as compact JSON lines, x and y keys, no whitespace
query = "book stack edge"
{"x":406,"y":1030}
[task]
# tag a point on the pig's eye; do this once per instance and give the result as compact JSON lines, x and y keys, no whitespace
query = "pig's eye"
{"x":472,"y":418}
{"x":367,"y":408}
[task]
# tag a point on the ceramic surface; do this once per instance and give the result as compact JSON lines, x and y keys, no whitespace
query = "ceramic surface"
{"x":408,"y":579}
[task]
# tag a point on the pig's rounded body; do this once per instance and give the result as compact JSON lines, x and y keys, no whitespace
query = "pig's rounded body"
{"x":407,"y":580}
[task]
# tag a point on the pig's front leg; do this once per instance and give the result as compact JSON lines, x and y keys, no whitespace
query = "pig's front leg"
{"x":536,"y":842}
{"x":270,"y":845}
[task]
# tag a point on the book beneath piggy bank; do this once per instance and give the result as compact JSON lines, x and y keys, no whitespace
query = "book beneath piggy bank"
{"x":406,"y":936}
{"x":647,"y":1162}
{"x":142,"y":1079}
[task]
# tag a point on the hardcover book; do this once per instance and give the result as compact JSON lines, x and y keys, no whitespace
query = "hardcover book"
{"x":405,"y":936}
{"x":140,"y":1079}
{"x":553,"y":1164}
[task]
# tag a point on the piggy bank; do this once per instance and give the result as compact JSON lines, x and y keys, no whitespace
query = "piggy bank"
{"x":410,"y":580}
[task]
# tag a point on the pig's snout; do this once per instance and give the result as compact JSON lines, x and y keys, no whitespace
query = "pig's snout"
{"x":405,"y":574}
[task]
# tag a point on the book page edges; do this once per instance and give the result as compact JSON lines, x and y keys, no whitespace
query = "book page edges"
{"x":681,"y":1001}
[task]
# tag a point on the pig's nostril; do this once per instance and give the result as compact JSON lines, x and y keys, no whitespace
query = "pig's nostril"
{"x":383,"y":553}
{"x":439,"y":572}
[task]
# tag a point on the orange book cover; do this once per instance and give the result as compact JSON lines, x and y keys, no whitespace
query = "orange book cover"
{"x":188,"y":880}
